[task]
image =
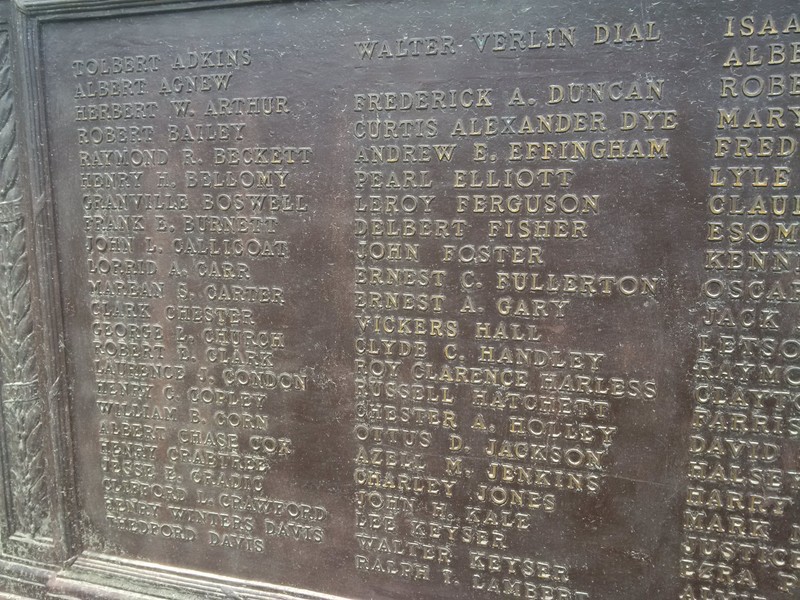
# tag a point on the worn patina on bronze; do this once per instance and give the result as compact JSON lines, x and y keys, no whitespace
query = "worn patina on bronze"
{"x":402,"y":298}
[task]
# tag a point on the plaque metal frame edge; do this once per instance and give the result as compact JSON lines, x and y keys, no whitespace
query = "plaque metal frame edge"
{"x":93,"y":571}
{"x":54,"y":10}
{"x":27,"y":547}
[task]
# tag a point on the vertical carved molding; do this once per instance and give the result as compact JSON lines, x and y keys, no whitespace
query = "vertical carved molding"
{"x":27,"y":503}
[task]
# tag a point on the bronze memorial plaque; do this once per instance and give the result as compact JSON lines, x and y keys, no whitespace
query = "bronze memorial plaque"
{"x":414,"y":299}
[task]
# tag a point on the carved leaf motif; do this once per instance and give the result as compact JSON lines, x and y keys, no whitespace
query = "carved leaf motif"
{"x":29,"y":490}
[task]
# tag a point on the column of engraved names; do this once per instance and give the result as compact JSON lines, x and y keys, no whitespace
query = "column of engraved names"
{"x":207,"y":216}
{"x":463,"y":198}
{"x":541,"y":411}
{"x":402,"y":320}
{"x":741,"y":532}
{"x":232,"y":251}
{"x":114,"y":116}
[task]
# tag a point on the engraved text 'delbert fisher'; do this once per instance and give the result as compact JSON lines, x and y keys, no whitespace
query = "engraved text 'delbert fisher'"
{"x":400,"y":299}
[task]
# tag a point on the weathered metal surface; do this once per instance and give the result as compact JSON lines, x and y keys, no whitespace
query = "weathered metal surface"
{"x":400,"y":298}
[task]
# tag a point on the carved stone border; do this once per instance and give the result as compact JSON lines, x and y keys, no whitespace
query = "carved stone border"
{"x":27,"y":510}
{"x":37,"y":465}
